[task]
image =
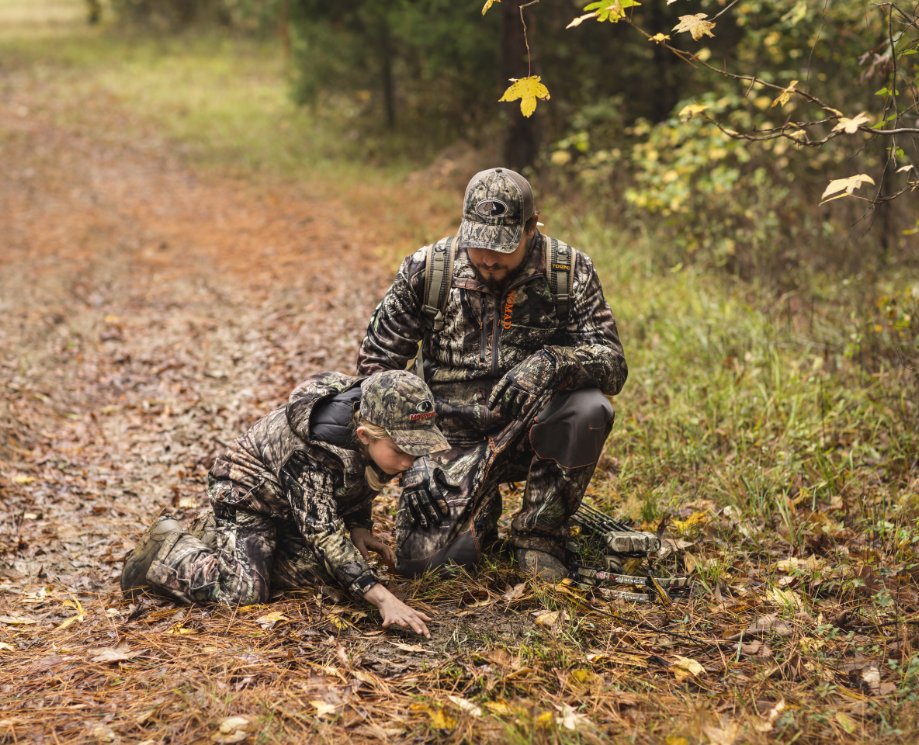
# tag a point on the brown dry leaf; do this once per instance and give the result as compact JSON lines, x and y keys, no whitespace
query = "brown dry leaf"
{"x":726,"y":735}
{"x":786,"y":598}
{"x":466,"y":705}
{"x":269,"y":620}
{"x":769,"y":722}
{"x":101,"y":733}
{"x":323,"y":709}
{"x":503,"y":658}
{"x":516,"y":592}
{"x":410,"y":647}
{"x":233,"y":729}
{"x":768,"y":624}
{"x":551,"y":619}
{"x":685,"y":667}
{"x":871,"y":680}
{"x":792,"y":564}
{"x":114,"y":654}
{"x":17,"y":620}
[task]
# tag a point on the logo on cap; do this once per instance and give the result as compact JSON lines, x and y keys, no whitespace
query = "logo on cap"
{"x":491,"y":208}
{"x":425,"y":410}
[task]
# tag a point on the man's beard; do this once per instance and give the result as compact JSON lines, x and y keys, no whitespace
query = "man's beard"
{"x":494,"y":284}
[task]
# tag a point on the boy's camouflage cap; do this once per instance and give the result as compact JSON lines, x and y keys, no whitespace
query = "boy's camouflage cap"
{"x":497,"y":204}
{"x":403,"y":405}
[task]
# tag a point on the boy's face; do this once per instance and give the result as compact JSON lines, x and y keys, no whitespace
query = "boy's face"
{"x":387,"y":455}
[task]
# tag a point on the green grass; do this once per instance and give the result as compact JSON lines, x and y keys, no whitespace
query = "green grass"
{"x":749,"y":424}
{"x":223,"y":97}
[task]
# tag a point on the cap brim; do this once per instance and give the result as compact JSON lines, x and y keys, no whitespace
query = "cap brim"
{"x":502,"y":238}
{"x":419,"y":442}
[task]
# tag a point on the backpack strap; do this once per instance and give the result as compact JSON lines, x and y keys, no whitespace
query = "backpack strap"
{"x":560,"y":259}
{"x":438,"y":276}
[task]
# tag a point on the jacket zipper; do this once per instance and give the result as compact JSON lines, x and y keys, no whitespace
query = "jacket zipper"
{"x":483,"y":343}
{"x":497,"y":326}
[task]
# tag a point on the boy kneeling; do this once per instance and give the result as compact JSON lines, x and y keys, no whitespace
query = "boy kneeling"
{"x":292,"y":499}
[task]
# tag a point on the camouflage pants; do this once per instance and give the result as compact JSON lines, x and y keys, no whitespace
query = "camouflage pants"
{"x":556,"y":456}
{"x":235,"y":557}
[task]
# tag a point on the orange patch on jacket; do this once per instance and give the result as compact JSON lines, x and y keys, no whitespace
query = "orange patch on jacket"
{"x":509,"y":309}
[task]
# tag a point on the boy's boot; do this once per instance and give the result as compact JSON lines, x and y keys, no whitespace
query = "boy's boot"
{"x":541,"y":565}
{"x":138,"y":561}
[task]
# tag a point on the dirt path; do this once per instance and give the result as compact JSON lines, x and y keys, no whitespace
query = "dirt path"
{"x":149,"y":312}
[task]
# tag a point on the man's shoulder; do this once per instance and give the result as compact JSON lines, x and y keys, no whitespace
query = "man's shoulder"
{"x":414,"y":264}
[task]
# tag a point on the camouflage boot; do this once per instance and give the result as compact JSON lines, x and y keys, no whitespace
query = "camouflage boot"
{"x":541,"y":565}
{"x":138,"y":561}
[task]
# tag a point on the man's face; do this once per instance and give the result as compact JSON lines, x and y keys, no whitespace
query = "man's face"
{"x":495,"y":268}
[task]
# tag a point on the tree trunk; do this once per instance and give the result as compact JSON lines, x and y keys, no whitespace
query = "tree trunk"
{"x":665,"y":94}
{"x":389,"y":94}
{"x":521,"y":144}
{"x":94,"y":12}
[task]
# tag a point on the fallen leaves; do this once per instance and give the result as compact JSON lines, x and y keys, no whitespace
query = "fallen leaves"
{"x":109,"y":655}
{"x":767,"y":624}
{"x":270,"y":620}
{"x":685,"y":667}
{"x":78,"y":617}
{"x":233,"y":729}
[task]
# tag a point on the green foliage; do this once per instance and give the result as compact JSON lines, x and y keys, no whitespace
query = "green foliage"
{"x":378,"y":59}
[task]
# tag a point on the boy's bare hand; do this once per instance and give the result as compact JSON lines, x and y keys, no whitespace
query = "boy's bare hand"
{"x":397,"y":613}
{"x":365,"y":541}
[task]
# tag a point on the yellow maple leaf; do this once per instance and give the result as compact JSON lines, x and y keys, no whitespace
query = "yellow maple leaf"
{"x":690,"y":110}
{"x":844,"y":187}
{"x":659,"y":38}
{"x":488,"y":4}
{"x":695,"y":24}
{"x":527,"y":90}
{"x":850,"y":126}
{"x":782,"y":98}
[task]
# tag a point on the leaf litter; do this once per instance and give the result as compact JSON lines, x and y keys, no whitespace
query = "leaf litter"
{"x":151,"y":312}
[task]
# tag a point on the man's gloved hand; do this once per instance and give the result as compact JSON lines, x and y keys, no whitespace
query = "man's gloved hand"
{"x":522,"y":384}
{"x":424,"y":494}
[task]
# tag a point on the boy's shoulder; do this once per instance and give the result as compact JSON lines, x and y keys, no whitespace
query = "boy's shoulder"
{"x":310,"y":392}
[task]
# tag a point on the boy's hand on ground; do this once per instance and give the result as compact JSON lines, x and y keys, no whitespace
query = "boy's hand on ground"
{"x":365,"y":542}
{"x":397,"y":613}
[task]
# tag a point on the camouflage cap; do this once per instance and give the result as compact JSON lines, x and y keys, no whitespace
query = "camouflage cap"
{"x":496,"y":207}
{"x":403,"y":405}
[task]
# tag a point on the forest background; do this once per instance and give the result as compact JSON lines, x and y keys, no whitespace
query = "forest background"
{"x":769,"y":423}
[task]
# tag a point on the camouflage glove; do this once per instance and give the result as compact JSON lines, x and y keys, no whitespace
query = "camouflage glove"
{"x":423,"y":494}
{"x":522,"y":384}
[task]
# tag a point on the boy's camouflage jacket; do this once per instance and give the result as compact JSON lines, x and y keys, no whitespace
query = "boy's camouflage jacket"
{"x":277,"y":470}
{"x":485,"y":335}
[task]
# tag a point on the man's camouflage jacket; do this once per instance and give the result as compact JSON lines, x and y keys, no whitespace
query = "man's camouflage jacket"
{"x":488,"y":332}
